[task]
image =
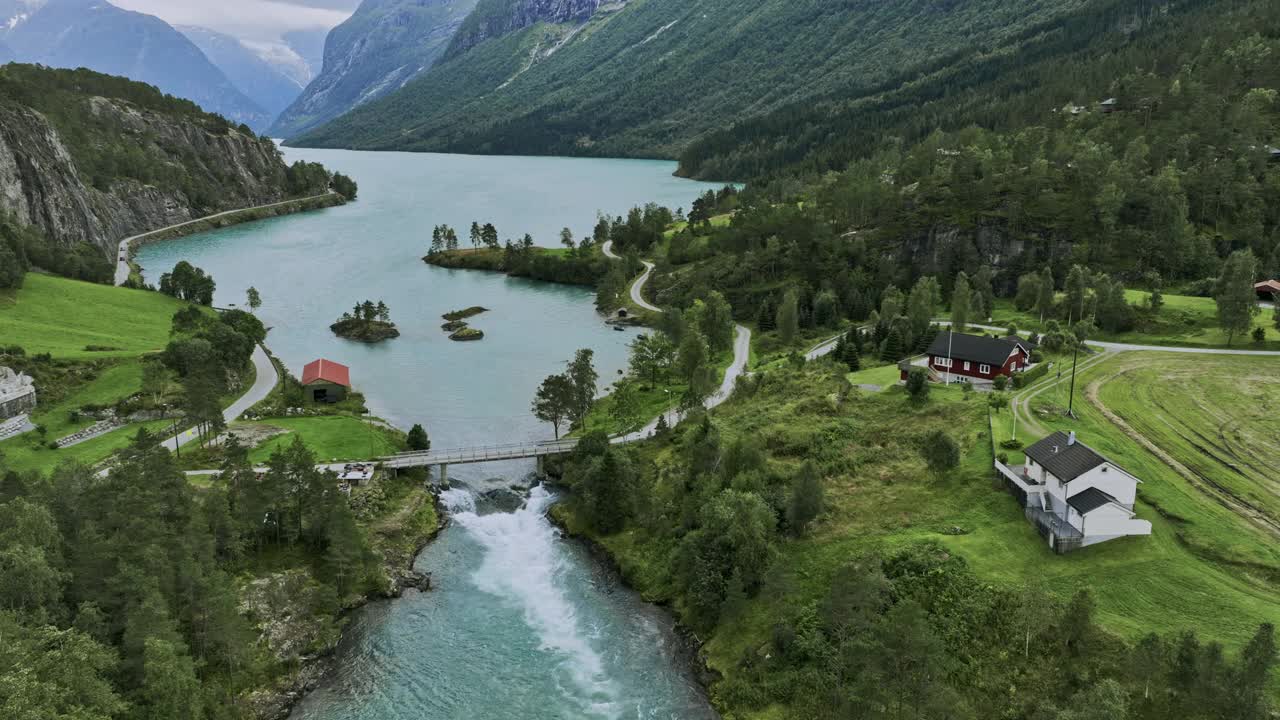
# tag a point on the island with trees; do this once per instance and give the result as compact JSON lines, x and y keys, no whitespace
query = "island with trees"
{"x":367,"y":322}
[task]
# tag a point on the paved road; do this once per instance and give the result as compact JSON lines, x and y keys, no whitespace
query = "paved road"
{"x":741,"y":355}
{"x":122,"y":254}
{"x":262,"y":385}
{"x":826,"y":346}
{"x":637,"y":287}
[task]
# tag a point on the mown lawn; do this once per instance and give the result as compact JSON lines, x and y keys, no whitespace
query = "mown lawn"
{"x":336,"y":438}
{"x":886,"y":376}
{"x":63,"y":317}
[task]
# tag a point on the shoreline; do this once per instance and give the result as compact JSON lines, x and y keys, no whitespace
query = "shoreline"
{"x":128,"y":247}
{"x":278,"y":701}
{"x":690,"y":651}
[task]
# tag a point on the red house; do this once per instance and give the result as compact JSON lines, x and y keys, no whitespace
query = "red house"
{"x":975,"y":357}
{"x":1267,"y":290}
{"x":326,"y":381}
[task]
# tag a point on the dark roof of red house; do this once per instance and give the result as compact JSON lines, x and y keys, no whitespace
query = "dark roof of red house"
{"x":326,"y":371}
{"x":974,"y":348}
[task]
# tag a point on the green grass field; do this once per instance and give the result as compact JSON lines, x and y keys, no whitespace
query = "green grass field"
{"x":1184,"y":320}
{"x":62,"y":317}
{"x":886,"y":376}
{"x":1203,"y":568}
{"x":336,"y":438}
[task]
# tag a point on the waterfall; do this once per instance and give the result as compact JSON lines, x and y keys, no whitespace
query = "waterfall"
{"x":525,"y":566}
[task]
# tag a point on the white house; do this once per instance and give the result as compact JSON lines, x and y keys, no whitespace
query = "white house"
{"x":1074,"y":495}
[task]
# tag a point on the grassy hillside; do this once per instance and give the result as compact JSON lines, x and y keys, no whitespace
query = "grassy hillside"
{"x":66,"y":317}
{"x":647,"y":79}
{"x":1204,"y":569}
{"x":84,"y":344}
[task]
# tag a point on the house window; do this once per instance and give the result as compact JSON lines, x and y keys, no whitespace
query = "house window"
{"x":966,"y":364}
{"x":984,"y":369}
{"x":943,"y":362}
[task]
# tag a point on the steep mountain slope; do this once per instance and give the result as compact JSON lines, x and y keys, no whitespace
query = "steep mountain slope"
{"x":90,"y":158}
{"x":999,"y":86}
{"x":646,"y":77}
{"x":382,"y":46}
{"x":100,"y":36}
{"x":495,"y":18}
{"x":258,"y":79}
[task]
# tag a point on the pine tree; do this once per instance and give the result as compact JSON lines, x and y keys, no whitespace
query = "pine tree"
{"x":788,"y":319}
{"x":806,"y":500}
{"x":1236,"y":299}
{"x":893,"y":349}
{"x":417,"y":439}
{"x":961,"y":301}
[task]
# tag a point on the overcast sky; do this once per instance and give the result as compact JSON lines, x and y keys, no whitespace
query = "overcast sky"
{"x":248,"y":19}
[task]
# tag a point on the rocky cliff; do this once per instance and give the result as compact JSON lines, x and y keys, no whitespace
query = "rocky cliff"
{"x":94,"y":159}
{"x":384,"y":45}
{"x":496,"y":18}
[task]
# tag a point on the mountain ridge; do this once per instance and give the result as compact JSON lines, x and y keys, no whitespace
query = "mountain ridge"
{"x":382,"y":46}
{"x":100,"y":36}
{"x":646,"y":78}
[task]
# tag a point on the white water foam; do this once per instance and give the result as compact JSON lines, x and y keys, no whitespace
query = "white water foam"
{"x":524,"y":565}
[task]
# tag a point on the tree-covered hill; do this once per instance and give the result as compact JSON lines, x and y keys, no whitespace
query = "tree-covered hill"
{"x":87,"y":160}
{"x":1074,"y":59}
{"x":649,"y":77}
{"x":1162,"y":190}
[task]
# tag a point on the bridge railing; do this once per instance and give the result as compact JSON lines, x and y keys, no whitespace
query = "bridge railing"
{"x":485,"y":452}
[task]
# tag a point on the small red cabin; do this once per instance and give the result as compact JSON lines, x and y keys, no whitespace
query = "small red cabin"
{"x":326,"y":381}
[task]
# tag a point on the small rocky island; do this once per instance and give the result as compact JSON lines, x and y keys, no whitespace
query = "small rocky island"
{"x":456,"y":324}
{"x":367,"y":322}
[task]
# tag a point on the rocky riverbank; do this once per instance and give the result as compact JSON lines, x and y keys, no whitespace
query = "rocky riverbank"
{"x":689,"y":650}
{"x":304,"y":641}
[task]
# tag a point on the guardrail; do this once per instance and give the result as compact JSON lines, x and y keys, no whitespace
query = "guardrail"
{"x":486,"y":453}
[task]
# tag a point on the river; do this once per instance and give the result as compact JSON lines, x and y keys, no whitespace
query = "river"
{"x":521,"y":624}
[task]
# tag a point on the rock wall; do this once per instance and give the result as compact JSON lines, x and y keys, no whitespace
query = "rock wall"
{"x":491,"y":20}
{"x":41,"y":184}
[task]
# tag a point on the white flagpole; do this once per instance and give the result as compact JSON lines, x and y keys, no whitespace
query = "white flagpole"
{"x":951,"y":336}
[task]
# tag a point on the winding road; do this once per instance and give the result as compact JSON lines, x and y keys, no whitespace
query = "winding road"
{"x":736,"y":369}
{"x":264,"y":381}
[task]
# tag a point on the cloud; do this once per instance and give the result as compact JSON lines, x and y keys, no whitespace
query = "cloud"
{"x":248,"y":19}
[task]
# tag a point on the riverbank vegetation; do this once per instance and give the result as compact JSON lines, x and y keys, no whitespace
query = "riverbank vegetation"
{"x":140,"y":595}
{"x":367,"y":322}
{"x":909,"y":562}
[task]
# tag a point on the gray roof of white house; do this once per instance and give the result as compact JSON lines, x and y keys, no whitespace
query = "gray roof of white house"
{"x":1064,"y":459}
{"x":1089,"y":499}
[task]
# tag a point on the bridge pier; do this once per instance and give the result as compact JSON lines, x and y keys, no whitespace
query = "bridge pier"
{"x":541,"y":465}
{"x":444,"y":473}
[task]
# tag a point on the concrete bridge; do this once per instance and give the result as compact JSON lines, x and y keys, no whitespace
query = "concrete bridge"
{"x":442,"y":459}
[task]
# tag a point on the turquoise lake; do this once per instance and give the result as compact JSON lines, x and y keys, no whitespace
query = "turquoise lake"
{"x":521,"y":624}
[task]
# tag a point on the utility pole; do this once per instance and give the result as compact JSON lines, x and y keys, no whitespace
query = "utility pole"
{"x":1071,"y":400}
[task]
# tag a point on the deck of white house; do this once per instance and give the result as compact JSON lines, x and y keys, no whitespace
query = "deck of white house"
{"x":1061,"y":525}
